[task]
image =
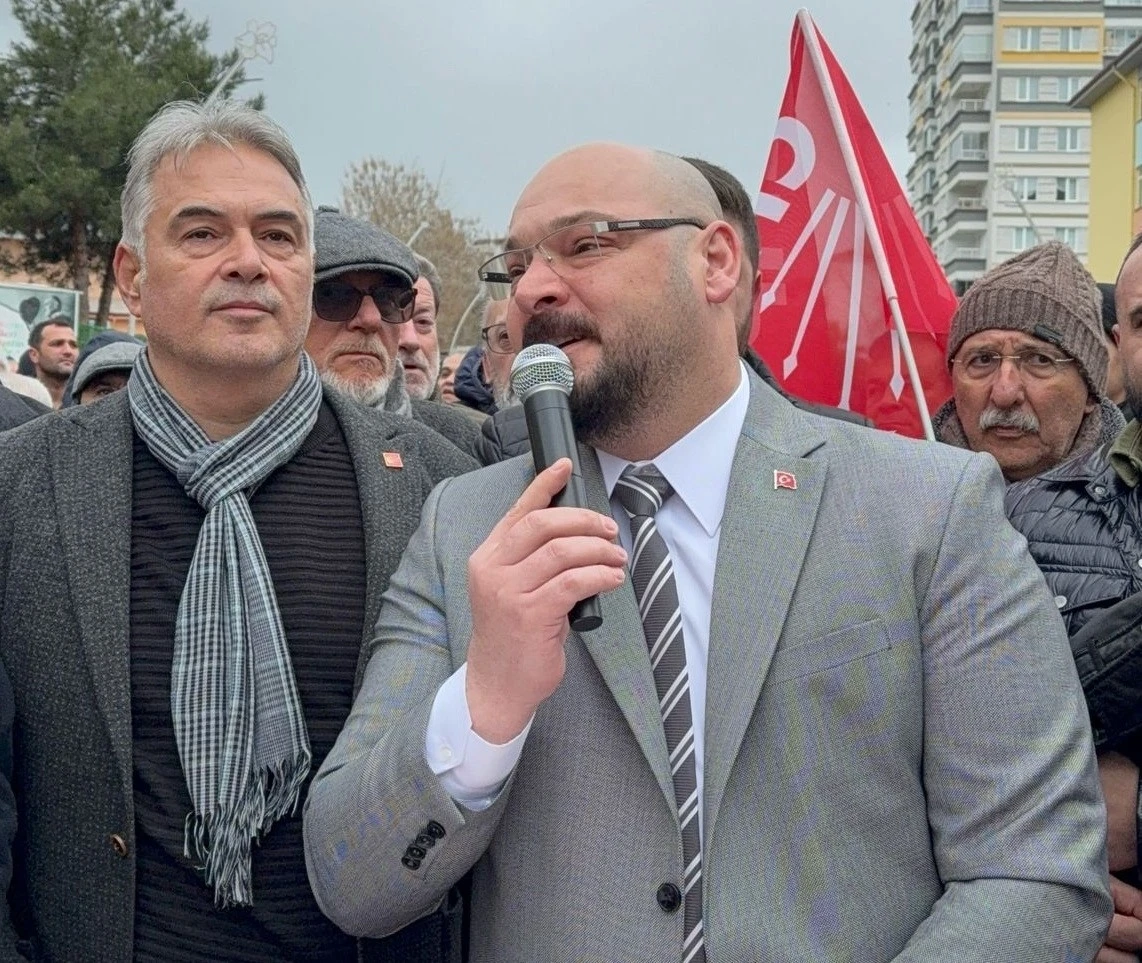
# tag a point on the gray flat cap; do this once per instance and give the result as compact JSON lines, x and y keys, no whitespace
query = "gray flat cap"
{"x":347,"y":244}
{"x":117,"y":356}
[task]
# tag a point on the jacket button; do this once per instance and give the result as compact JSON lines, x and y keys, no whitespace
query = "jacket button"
{"x":119,"y":844}
{"x":435,"y":830}
{"x":411,"y":863}
{"x":415,"y":852}
{"x":669,"y":897}
{"x":1060,"y":601}
{"x":425,"y":841}
{"x":1100,"y":489}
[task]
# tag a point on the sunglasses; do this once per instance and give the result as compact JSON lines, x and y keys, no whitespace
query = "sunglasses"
{"x":337,"y":300}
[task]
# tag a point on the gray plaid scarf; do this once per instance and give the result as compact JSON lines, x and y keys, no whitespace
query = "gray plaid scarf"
{"x":237,"y":717}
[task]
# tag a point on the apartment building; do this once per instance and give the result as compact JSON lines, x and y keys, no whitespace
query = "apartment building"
{"x":1001,"y":161}
{"x":1114,"y":99}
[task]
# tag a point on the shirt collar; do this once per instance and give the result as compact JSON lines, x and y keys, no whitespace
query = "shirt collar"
{"x":698,"y":464}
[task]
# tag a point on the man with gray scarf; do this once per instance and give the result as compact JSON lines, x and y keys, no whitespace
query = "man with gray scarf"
{"x":364,"y":303}
{"x":1028,"y":363}
{"x":183,"y":644}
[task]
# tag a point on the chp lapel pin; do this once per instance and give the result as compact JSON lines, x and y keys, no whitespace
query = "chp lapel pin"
{"x":392,"y":459}
{"x":784,"y":479}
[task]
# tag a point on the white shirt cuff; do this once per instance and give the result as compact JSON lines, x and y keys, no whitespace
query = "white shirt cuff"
{"x":471,"y":770}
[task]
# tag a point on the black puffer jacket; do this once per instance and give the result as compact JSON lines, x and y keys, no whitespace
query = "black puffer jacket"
{"x":1084,"y":527}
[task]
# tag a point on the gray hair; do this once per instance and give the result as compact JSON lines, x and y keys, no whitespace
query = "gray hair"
{"x":431,"y":275}
{"x":179,"y":128}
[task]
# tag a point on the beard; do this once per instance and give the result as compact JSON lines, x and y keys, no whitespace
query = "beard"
{"x":504,"y":396}
{"x":1133,"y":393}
{"x":609,"y":400}
{"x":636,"y":367}
{"x":368,"y":393}
{"x":429,"y":367}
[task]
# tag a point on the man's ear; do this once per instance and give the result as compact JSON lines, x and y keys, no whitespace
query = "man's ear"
{"x":128,"y":268}
{"x":724,"y":261}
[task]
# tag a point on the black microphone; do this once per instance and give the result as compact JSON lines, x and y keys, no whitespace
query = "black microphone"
{"x":542,"y":379}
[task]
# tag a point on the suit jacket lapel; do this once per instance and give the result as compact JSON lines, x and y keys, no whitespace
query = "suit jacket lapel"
{"x":618,"y":649}
{"x":91,"y":465}
{"x":765,"y":534}
{"x":366,"y":435}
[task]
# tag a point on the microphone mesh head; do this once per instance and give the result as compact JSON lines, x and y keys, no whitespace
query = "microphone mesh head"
{"x":541,"y":366}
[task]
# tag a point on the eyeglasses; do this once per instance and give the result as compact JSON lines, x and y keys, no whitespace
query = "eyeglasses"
{"x":337,"y":300}
{"x":1038,"y":364}
{"x":495,"y":336}
{"x":570,"y":248}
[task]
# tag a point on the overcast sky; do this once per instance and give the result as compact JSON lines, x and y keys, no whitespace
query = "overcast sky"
{"x":479,"y":93}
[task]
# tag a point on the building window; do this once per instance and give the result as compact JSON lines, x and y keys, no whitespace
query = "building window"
{"x":1022,"y":238}
{"x":1021,"y":38}
{"x":1025,"y":188}
{"x":1069,"y":86}
{"x":1117,"y":39}
{"x":1072,"y":237}
{"x":1070,"y":139}
{"x":1069,"y":189}
{"x":1027,"y":138}
{"x":1026,"y":88}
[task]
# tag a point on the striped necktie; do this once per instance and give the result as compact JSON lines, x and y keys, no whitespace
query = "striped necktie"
{"x":641,"y":490}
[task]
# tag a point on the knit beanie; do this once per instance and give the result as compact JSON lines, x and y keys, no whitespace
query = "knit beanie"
{"x":1047,"y":293}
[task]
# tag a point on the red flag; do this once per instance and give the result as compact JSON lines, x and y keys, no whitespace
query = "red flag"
{"x":824,"y":320}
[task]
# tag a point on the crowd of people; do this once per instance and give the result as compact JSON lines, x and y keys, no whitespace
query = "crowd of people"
{"x":286,"y":671}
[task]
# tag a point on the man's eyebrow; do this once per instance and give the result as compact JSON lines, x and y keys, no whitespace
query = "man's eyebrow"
{"x":195,"y":210}
{"x":579,"y":217}
{"x":285,"y":214}
{"x":192,"y":211}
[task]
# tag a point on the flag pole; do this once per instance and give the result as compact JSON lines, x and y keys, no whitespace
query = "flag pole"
{"x":816,"y":57}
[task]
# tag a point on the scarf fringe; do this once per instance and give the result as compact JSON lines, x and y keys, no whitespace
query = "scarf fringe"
{"x":220,"y":842}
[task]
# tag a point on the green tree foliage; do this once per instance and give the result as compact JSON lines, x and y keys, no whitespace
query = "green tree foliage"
{"x":401,"y":199}
{"x":74,"y":93}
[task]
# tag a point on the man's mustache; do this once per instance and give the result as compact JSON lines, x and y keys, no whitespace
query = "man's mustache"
{"x":992,"y":417}
{"x":552,"y":328}
{"x":370,"y":345}
{"x":228,"y":293}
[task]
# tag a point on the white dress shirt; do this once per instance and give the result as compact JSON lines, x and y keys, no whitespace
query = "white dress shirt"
{"x":698,"y":468}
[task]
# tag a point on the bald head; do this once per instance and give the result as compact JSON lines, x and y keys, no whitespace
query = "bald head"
{"x":659,"y":184}
{"x":628,"y":302}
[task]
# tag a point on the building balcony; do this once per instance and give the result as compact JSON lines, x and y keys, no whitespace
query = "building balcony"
{"x":960,"y":218}
{"x":964,"y":110}
{"x":967,"y":262}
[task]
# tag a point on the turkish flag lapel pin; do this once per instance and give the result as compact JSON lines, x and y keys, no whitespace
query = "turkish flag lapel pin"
{"x":784,"y":479}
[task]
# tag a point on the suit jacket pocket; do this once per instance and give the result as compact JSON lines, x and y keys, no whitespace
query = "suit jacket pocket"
{"x":828,"y":651}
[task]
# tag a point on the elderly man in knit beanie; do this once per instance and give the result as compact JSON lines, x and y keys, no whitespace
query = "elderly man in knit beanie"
{"x":1029,"y":360}
{"x":1083,"y":525}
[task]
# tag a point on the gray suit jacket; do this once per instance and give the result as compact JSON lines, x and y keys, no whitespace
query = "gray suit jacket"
{"x":65,"y":528}
{"x":897,"y":759}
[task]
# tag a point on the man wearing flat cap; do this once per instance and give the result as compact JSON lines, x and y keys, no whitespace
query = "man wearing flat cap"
{"x":104,"y":371}
{"x":1029,"y":360}
{"x":364,"y":303}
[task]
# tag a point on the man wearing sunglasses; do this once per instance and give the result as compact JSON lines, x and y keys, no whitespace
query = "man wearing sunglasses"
{"x":364,"y":308}
{"x":830,"y":713}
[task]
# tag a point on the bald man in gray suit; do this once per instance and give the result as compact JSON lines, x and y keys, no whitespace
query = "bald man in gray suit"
{"x":836,"y":720}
